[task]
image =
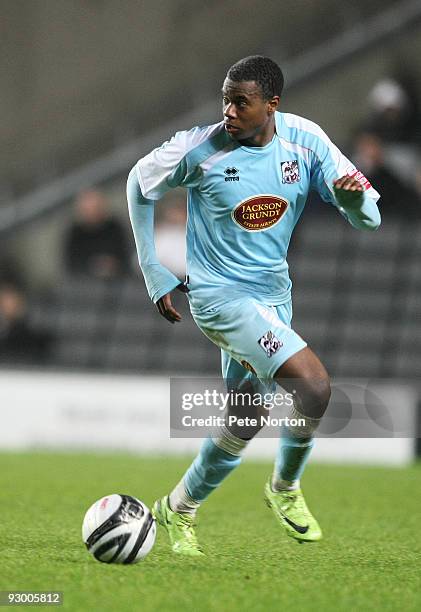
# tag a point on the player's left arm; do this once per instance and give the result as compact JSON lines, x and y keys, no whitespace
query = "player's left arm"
{"x":339,"y":182}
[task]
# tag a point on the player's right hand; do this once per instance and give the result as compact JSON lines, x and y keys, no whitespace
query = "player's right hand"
{"x":165,"y":307}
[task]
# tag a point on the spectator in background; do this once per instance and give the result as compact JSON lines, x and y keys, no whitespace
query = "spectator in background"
{"x":393,"y":113}
{"x":394,"y":116}
{"x":398,"y":199}
{"x":170,"y":237}
{"x":96,"y":244}
{"x":19,"y":342}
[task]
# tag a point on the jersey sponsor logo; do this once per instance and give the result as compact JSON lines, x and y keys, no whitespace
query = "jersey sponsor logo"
{"x":270,"y":343}
{"x":231,"y":174}
{"x":259,"y":212}
{"x":290,"y":171}
{"x":356,"y":174}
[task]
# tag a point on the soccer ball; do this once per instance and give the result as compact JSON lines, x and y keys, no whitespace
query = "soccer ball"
{"x":119,"y":529}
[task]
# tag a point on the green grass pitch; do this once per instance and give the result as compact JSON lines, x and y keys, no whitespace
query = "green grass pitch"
{"x":368,"y":560}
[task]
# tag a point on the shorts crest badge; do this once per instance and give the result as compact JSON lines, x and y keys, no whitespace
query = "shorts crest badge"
{"x":290,"y":171}
{"x":270,"y":343}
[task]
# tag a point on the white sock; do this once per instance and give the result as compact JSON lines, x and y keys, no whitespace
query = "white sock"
{"x":303,"y":431}
{"x":180,"y":500}
{"x":284,"y":485}
{"x":225,"y":440}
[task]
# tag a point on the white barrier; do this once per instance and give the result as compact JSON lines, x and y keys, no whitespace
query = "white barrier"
{"x":66,"y":411}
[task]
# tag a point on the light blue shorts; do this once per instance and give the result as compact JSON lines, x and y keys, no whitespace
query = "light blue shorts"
{"x":253,"y":337}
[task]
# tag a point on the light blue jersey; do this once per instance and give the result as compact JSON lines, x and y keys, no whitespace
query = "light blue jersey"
{"x":243,"y":203}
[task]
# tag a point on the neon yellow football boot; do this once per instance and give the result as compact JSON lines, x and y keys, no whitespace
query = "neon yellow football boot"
{"x":179,"y":526}
{"x":292,"y":513}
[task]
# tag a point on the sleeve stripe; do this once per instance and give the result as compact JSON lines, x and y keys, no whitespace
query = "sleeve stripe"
{"x":217,"y":157}
{"x":154,"y":169}
{"x":340,"y":163}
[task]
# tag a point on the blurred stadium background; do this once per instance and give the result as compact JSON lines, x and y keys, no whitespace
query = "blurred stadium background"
{"x":88,"y":87}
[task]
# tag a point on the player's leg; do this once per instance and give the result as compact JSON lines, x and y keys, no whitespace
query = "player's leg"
{"x":251,"y":334}
{"x":257,"y":341}
{"x":220,"y":452}
{"x":219,"y":455}
{"x":305,"y":376}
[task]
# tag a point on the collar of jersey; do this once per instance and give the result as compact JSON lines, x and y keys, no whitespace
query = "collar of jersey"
{"x":259,"y":150}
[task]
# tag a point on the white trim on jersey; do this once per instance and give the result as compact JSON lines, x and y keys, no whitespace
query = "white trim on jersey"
{"x":342,"y":164}
{"x":301,"y":123}
{"x":294,"y":147}
{"x":154,"y":169}
{"x":217,"y":157}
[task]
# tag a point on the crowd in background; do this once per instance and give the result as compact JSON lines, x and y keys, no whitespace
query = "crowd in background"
{"x":386,"y":147}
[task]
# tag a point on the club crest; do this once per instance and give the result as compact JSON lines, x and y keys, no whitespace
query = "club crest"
{"x":290,"y":171}
{"x":270,"y":343}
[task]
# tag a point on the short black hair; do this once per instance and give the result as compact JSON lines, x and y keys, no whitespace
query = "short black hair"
{"x":261,"y":69}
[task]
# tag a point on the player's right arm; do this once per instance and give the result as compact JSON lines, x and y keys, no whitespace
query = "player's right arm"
{"x":160,"y":282}
{"x":155,"y":174}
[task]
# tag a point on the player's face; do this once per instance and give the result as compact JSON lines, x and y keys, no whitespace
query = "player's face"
{"x":247,"y":116}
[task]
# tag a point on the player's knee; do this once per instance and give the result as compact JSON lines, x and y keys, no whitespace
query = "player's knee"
{"x":311,"y":395}
{"x":315,"y":397}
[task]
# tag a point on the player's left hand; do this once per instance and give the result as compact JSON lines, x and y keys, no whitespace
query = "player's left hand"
{"x":349,"y":192}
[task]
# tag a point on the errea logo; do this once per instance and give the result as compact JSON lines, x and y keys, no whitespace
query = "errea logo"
{"x":231,"y":174}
